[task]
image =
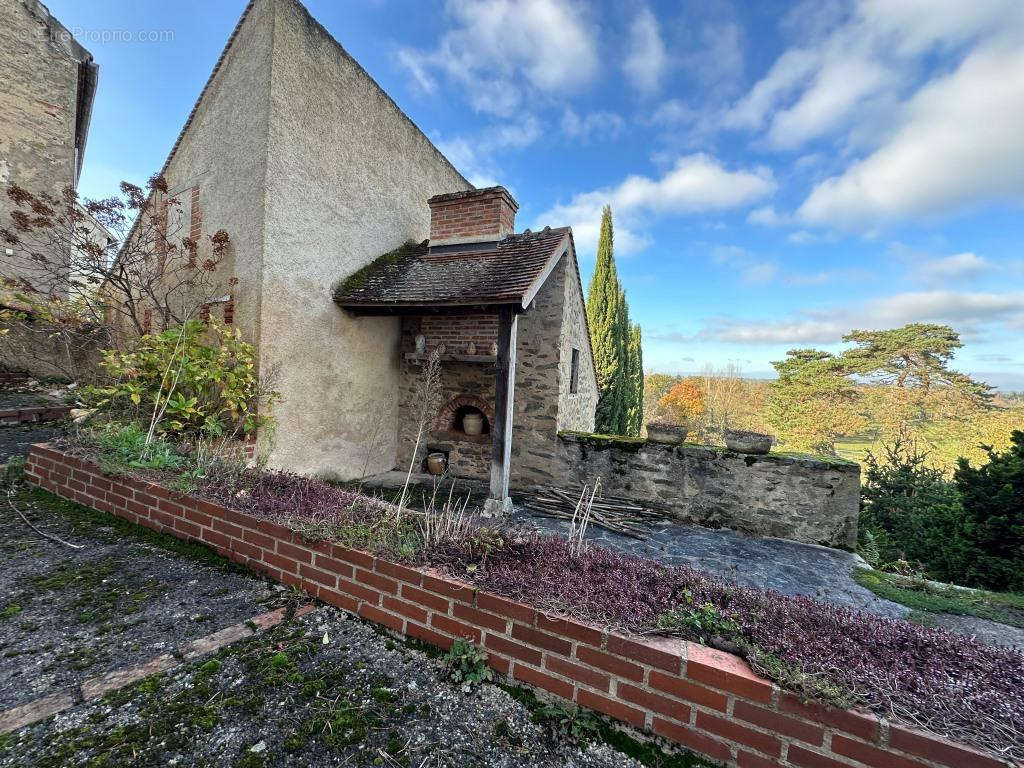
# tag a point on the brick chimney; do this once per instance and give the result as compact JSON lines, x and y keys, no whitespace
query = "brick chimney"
{"x":471,"y":220}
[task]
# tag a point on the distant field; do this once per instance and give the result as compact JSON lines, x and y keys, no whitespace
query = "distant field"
{"x":855,"y":448}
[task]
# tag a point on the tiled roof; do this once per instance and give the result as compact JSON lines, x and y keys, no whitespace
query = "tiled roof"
{"x":509,"y":273}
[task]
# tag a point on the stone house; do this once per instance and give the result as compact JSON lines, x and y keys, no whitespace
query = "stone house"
{"x":471,"y":290}
{"x":46,"y":96}
{"x":315,"y":172}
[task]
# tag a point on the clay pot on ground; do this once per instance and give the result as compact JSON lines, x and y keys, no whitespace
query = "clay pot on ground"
{"x":742,"y":441}
{"x":436,"y":464}
{"x":473,"y":424}
{"x":668,"y":434}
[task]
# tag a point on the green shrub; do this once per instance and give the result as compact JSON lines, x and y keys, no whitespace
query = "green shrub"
{"x":123,"y":446}
{"x":910,"y":511}
{"x":467,"y":665}
{"x":702,"y":622}
{"x":196,"y":379}
{"x":14,"y":471}
{"x":993,"y":502}
{"x":568,"y":721}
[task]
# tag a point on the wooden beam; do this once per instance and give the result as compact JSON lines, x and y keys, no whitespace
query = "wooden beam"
{"x":504,"y":400}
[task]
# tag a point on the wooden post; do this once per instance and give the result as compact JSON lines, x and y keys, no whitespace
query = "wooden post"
{"x":504,"y":400}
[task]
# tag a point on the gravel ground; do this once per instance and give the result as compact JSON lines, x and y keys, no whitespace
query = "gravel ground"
{"x":323,"y":690}
{"x":15,"y":440}
{"x":128,"y":595}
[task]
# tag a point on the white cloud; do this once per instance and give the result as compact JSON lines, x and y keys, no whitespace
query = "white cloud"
{"x":788,"y":72}
{"x":960,"y":142}
{"x":852,"y":66}
{"x":767,"y":216}
{"x":960,"y":266}
{"x":672,"y":113}
{"x":499,"y":50}
{"x":596,"y":126}
{"x":967,"y":312}
{"x":695,"y":183}
{"x":647,"y":60}
{"x":751,"y":269}
{"x":837,"y":88}
{"x":474,"y":155}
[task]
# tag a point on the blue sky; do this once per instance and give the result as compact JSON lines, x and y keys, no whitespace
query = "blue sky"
{"x":779,"y":174}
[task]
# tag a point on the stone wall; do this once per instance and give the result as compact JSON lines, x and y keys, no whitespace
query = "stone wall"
{"x":39,"y":62}
{"x":690,"y":695}
{"x":806,"y":499}
{"x":576,"y":409}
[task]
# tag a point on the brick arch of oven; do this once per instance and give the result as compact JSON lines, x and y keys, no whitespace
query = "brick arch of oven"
{"x":446,"y":416}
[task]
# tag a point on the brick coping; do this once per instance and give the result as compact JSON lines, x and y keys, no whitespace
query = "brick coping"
{"x":706,"y":700}
{"x":54,"y":703}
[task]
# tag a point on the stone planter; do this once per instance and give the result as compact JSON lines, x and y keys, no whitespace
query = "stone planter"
{"x":473,"y":424}
{"x":668,"y":434}
{"x":748,"y":442}
{"x":436,"y":464}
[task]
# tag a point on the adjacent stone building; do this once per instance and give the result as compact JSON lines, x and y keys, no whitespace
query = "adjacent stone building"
{"x":47,"y":85}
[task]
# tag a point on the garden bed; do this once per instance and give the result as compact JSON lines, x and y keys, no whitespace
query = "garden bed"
{"x":599,"y":658}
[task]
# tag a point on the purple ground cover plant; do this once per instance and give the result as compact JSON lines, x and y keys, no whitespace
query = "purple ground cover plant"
{"x":931,"y":678}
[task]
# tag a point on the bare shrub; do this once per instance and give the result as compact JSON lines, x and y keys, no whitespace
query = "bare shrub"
{"x":426,"y":401}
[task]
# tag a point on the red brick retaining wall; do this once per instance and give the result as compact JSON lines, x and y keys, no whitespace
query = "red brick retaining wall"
{"x":708,"y":701}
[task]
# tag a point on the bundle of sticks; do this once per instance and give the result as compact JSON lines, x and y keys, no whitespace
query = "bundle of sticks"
{"x":612,"y":513}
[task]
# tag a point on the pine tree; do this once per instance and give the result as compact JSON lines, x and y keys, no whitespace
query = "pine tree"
{"x":605,"y":313}
{"x":636,"y":381}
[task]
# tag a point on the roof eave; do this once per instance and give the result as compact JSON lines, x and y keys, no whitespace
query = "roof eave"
{"x":549,"y":266}
{"x":424,"y":307}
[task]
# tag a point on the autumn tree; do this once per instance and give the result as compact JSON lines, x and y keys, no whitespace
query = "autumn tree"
{"x":129,"y":260}
{"x":656,"y":386}
{"x":685,"y":401}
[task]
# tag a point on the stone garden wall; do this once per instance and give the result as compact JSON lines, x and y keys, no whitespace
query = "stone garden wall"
{"x":802,"y":498}
{"x":708,"y":701}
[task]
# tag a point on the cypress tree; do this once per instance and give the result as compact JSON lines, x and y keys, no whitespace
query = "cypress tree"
{"x":636,"y":381}
{"x":605,"y":312}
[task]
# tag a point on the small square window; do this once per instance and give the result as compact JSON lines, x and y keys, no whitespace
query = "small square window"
{"x":574,"y":372}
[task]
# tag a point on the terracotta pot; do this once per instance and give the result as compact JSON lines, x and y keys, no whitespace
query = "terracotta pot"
{"x":436,"y":463}
{"x":668,"y":434}
{"x":473,"y":424}
{"x":748,"y":442}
